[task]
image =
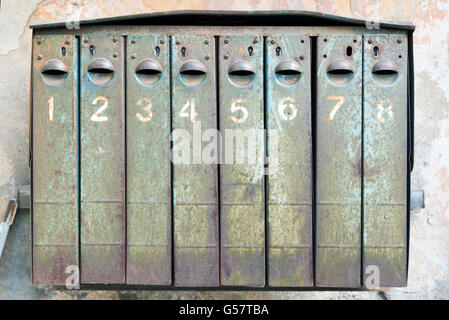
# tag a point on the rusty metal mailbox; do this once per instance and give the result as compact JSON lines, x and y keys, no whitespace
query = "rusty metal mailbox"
{"x":253,"y":152}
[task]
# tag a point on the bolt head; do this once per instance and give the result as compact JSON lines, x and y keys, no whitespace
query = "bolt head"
{"x":162,"y":41}
{"x":39,"y":42}
{"x":301,"y":57}
{"x":86,"y":40}
{"x":114,"y":39}
{"x":133,"y":41}
{"x":39,"y":57}
{"x":226,"y":56}
{"x":67,"y":42}
{"x":255,"y":41}
{"x":226,"y":41}
{"x":399,"y":40}
{"x":272,"y":41}
{"x":133,"y":56}
{"x":178,"y":42}
{"x":206,"y":57}
{"x":370,"y":41}
{"x":115,"y":55}
{"x":206,"y":41}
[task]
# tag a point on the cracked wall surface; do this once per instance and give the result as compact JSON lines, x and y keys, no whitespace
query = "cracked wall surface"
{"x":429,"y":241}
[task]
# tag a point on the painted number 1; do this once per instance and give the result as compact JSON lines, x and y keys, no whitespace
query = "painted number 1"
{"x":51,"y":109}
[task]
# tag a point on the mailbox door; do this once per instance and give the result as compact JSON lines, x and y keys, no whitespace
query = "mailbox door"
{"x":241,"y":114}
{"x":338,"y":176}
{"x":288,"y":111}
{"x":148,"y":160}
{"x":102,"y":159}
{"x":385,"y":160}
{"x":194,"y":179}
{"x":55,"y":154}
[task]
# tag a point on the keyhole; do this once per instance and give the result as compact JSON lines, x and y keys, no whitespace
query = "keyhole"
{"x":63,"y":51}
{"x":278,"y":51}
{"x":183,"y":51}
{"x":250,"y":51}
{"x":157,"y":51}
{"x":92,"y":50}
{"x":376,"y":51}
{"x":349,"y":51}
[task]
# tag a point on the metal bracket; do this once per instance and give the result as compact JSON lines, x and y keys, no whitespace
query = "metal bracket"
{"x":8,"y":209}
{"x":417,"y":199}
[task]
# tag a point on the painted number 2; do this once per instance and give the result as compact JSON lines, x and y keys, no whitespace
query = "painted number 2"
{"x":96,"y":116}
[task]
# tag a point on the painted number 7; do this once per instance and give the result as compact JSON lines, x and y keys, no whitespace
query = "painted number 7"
{"x":341,"y":100}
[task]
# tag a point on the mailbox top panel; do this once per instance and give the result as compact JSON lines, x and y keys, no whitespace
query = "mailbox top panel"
{"x":215,"y":17}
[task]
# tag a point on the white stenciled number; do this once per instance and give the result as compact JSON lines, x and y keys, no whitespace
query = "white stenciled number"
{"x":382,"y":110}
{"x":51,"y":108}
{"x":284,"y":104}
{"x":190,"y":104}
{"x":334,"y":110}
{"x":146,"y":108}
{"x":96,"y":116}
{"x":242,"y":109}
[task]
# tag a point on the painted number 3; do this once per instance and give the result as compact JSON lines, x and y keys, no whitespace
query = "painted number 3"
{"x":146,"y":108}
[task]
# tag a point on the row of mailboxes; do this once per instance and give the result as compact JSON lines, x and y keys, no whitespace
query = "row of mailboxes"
{"x":115,"y":198}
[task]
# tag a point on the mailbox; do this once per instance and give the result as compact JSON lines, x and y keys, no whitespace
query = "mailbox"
{"x":263,"y":150}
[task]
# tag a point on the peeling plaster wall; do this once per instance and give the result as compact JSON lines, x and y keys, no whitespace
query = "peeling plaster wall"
{"x":429,"y":243}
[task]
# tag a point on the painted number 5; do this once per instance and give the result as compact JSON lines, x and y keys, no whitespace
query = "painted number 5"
{"x":235,"y":108}
{"x":96,"y":116}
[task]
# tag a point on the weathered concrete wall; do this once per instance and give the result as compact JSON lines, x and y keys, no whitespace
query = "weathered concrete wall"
{"x":429,"y":251}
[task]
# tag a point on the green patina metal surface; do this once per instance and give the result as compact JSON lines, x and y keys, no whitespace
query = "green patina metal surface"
{"x":339,"y":157}
{"x":138,"y":249}
{"x":55,"y":173}
{"x":195,"y":183}
{"x":385,"y":158}
{"x":242,"y":182}
{"x":102,"y":161}
{"x":290,"y":186}
{"x":148,"y":160}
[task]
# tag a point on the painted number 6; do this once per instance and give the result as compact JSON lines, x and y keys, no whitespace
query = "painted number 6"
{"x":284,"y":104}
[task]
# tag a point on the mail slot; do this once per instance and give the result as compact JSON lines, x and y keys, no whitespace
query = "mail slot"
{"x":256,"y":153}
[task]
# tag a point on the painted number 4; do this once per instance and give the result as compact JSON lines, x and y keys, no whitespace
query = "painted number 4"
{"x":190,"y":104}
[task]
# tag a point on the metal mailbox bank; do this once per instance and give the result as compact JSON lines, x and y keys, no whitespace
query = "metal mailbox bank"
{"x":232,"y":149}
